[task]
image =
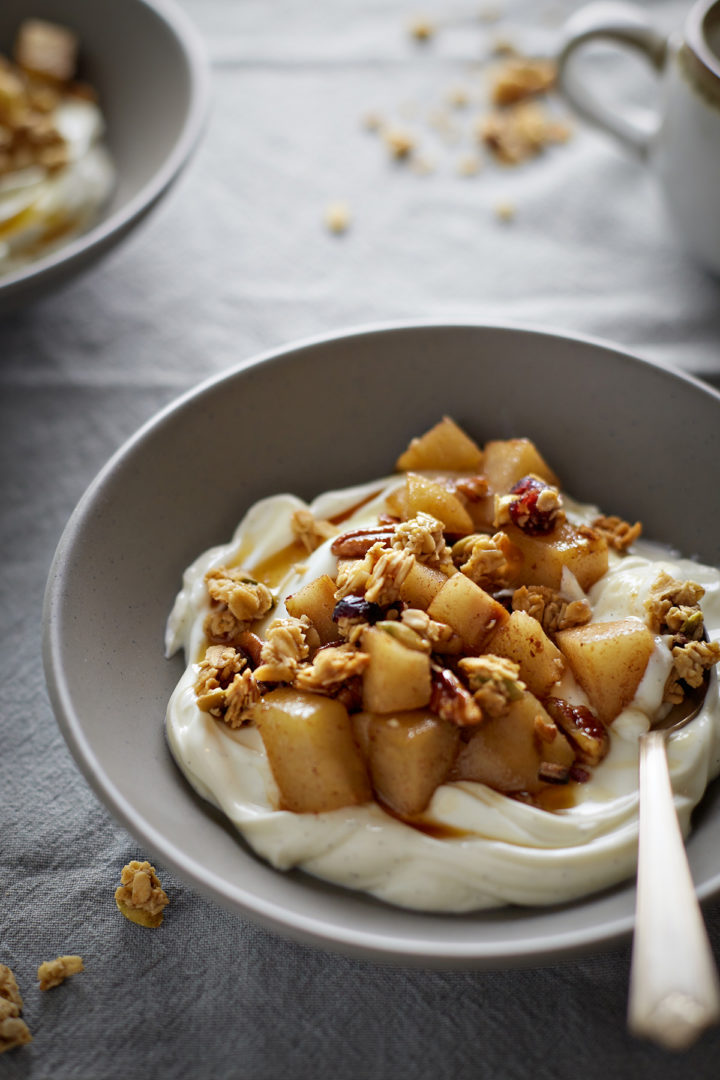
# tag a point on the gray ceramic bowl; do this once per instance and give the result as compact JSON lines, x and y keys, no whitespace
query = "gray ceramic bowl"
{"x":329,"y":413}
{"x":145,"y":61}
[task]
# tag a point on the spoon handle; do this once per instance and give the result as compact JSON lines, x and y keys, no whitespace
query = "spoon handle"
{"x":674,"y":988}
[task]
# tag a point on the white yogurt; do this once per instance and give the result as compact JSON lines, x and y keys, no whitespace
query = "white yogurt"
{"x":510,"y":852}
{"x":40,"y":212}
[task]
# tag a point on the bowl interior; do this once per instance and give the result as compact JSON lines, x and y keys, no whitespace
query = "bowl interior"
{"x":327,"y":414}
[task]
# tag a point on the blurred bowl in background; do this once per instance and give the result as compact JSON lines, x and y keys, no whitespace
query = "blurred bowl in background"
{"x":146,"y":63}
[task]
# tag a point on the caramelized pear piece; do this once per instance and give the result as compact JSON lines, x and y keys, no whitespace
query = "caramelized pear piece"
{"x":506,"y":752}
{"x":409,"y":755}
{"x":312,"y":753}
{"x":445,"y":448}
{"x":539,"y":560}
{"x":397,"y":677}
{"x":522,"y":639}
{"x":468,"y":609}
{"x":609,"y":660}
{"x":509,"y":460}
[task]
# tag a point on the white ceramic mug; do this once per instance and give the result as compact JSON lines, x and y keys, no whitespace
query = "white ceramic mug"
{"x":682,"y":146}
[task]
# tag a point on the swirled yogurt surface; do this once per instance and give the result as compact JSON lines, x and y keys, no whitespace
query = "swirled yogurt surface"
{"x":482,"y":848}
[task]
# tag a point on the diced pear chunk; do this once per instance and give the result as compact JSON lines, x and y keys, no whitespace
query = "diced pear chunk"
{"x":409,"y":755}
{"x":506,"y":752}
{"x":445,"y":447}
{"x":317,"y":601}
{"x":522,"y":639}
{"x":609,"y":660}
{"x":508,"y":460}
{"x":421,"y":585}
{"x":539,"y":560}
{"x":312,"y":752}
{"x":433,"y":497}
{"x":468,"y":609}
{"x":397,"y":678}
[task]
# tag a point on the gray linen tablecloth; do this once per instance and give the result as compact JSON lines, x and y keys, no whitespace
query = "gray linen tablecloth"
{"x":236,"y":261}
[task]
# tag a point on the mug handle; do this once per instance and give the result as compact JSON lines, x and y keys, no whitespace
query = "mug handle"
{"x":627,"y":25}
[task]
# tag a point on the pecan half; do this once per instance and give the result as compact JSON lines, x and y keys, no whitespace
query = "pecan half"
{"x":356,"y":543}
{"x":451,"y":700}
{"x":586,"y":734}
{"x":553,"y":773}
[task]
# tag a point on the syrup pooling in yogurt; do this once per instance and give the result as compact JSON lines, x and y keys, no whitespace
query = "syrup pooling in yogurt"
{"x":439,"y":702}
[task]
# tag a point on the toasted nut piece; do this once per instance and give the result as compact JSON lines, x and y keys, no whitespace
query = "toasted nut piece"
{"x":451,"y":700}
{"x":356,"y":543}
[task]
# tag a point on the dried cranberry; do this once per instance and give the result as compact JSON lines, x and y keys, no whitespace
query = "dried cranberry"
{"x":524,"y":510}
{"x":356,"y":607}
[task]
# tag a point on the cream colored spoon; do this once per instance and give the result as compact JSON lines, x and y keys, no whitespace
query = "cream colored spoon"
{"x":674,"y":986}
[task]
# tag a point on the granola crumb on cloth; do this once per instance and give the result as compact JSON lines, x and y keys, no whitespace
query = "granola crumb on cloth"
{"x":13,"y":1030}
{"x":54,"y":972}
{"x":141,"y":898}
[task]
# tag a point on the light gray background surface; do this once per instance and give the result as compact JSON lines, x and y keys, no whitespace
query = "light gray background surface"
{"x":235,"y":262}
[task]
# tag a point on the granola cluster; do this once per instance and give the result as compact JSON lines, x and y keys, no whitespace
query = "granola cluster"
{"x":140,"y":895}
{"x":54,"y":972}
{"x":13,"y":1029}
{"x":620,"y":534}
{"x":551,"y":609}
{"x":310,"y":531}
{"x":674,"y":609}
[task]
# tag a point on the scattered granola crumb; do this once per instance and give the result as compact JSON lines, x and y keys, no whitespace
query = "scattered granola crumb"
{"x":53,"y":972}
{"x":311,"y":531}
{"x":519,"y":78}
{"x":9,"y":990}
{"x":421,"y":28}
{"x":338,"y":217}
{"x":372,"y":121}
{"x":422,"y":165}
{"x":519,"y":132}
{"x":469,"y":165}
{"x":619,"y":534}
{"x":13,"y":1029}
{"x":503,"y":46}
{"x":505,"y":211}
{"x":140,"y":896}
{"x":400,"y":143}
{"x":458,"y":97}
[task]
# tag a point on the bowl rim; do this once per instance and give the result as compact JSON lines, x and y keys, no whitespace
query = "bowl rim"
{"x":278,"y":918}
{"x":94,"y":239}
